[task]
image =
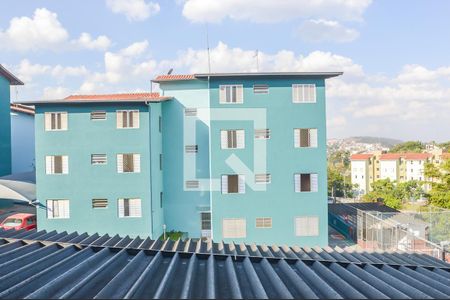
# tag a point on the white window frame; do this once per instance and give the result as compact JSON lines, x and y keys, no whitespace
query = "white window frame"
{"x":96,"y":156}
{"x":299,"y":94}
{"x":130,"y":112}
{"x":64,"y":121}
{"x":262,"y":134}
{"x":265,"y":222}
{"x":311,"y":223}
{"x":192,"y":184}
{"x":136,"y":163}
{"x":239,"y":135}
{"x":225,"y":187}
{"x":239,"y":232}
{"x":134,"y":212}
{"x":51,"y":208}
{"x":312,"y":137}
{"x":223,"y":94}
{"x":50,"y":165}
{"x":313,"y":179}
{"x":203,"y":221}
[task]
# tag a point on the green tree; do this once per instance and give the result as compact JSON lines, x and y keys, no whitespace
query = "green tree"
{"x":445,"y":146}
{"x":439,"y":178}
{"x":339,"y":186}
{"x":410,"y":190}
{"x":411,"y":146}
{"x":387,"y":191}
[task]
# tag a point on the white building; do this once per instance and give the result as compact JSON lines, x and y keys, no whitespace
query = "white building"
{"x":389,"y":166}
{"x":361,"y":172}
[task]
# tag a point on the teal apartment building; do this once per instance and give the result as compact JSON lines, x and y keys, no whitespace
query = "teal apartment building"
{"x":235,"y":156}
{"x":6,"y":80}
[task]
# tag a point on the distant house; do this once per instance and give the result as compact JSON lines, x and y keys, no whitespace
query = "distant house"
{"x":6,"y":80}
{"x":22,"y":138}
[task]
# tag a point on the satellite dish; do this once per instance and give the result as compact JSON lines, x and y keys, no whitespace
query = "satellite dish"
{"x":170,"y":71}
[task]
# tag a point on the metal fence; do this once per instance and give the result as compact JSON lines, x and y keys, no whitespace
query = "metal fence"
{"x":399,"y":231}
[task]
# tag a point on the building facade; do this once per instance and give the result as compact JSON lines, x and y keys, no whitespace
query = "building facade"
{"x":6,"y":80}
{"x":22,"y":139}
{"x":236,"y":157}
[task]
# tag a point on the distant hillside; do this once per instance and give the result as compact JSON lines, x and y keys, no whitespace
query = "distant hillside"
{"x":385,"y":142}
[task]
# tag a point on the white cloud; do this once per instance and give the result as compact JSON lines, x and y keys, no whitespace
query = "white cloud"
{"x":55,"y":92}
{"x":134,"y":10}
{"x":27,"y":71}
{"x":337,"y":121}
{"x":268,"y":11}
{"x":86,"y":41}
{"x":43,"y":31}
{"x":326,"y":31}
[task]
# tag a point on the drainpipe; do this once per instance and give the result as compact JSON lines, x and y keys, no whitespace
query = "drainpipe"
{"x":151,"y":182}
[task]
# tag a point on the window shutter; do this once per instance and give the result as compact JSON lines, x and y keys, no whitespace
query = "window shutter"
{"x":224,"y":139}
{"x":137,"y":163}
{"x":65,"y":164}
{"x":234,"y":228}
{"x":224,"y":184}
{"x":119,"y":117}
{"x":121,"y":209}
{"x":297,"y":182}
{"x":301,"y":225}
{"x":48,"y":121}
{"x":64,"y":121}
{"x":222,"y":94}
{"x":119,"y":163}
{"x":314,"y":183}
{"x":297,"y":138}
{"x":241,"y":184}
{"x":295,"y":97}
{"x":239,"y":94}
{"x":313,"y":225}
{"x":49,"y":165}
{"x":240,"y":139}
{"x":313,"y":137}
{"x":135,"y":208}
{"x":65,"y":213}
{"x":49,"y":209}
{"x":135,"y":119}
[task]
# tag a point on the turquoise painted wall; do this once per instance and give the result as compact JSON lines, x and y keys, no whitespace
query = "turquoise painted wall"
{"x":182,"y":207}
{"x":279,"y":201}
{"x":5,"y":125}
{"x":22,"y":142}
{"x":85,"y":181}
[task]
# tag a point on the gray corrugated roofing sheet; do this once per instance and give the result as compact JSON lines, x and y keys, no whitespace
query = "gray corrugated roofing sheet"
{"x":51,"y":265}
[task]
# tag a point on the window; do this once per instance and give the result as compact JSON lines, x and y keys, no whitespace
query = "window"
{"x":130,"y":207}
{"x":58,"y":209}
{"x":263,"y":178}
{"x":128,"y":163}
{"x":305,"y":137}
{"x":191,"y":148}
{"x":263,"y":222}
{"x":262,"y":134}
{"x":205,"y":220}
{"x":233,"y":184}
{"x":55,"y":121}
{"x":98,"y":159}
{"x":306,"y":183}
{"x":232,"y":139}
{"x":190,"y":112}
{"x":192,"y":184}
{"x":231,"y":94}
{"x":99,"y":203}
{"x":304,"y":93}
{"x":98,"y":115}
{"x":307,"y":226}
{"x":234,"y":228}
{"x":261,"y":89}
{"x":57,"y":164}
{"x":127,"y":119}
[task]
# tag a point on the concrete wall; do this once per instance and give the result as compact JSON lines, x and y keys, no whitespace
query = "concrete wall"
{"x":5,"y":125}
{"x":22,"y":142}
{"x":85,"y":181}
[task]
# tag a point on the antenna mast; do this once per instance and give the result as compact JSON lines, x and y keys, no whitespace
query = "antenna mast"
{"x":207,"y":48}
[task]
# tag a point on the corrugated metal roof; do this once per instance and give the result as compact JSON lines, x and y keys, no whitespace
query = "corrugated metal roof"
{"x":63,"y":265}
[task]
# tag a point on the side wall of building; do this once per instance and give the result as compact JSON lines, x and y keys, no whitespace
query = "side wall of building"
{"x":22,"y":142}
{"x":279,"y":201}
{"x":5,"y":125}
{"x":85,"y":181}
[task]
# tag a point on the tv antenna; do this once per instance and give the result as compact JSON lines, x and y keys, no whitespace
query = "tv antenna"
{"x":257,"y":59}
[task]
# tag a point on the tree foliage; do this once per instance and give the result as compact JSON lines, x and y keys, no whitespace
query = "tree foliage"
{"x":411,"y":146}
{"x":445,"y":146}
{"x":394,"y":194}
{"x":337,"y":185}
{"x":439,"y":178}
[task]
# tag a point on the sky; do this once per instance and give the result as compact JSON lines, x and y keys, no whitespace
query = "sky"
{"x":395,"y":55}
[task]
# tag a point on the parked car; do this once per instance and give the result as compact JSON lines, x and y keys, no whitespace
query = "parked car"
{"x":19,"y":221}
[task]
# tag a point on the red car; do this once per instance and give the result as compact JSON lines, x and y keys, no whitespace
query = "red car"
{"x":19,"y":221}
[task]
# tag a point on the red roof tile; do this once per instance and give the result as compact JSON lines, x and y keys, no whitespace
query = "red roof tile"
{"x":390,"y":156}
{"x":22,"y":108}
{"x":361,"y":156}
{"x":126,"y":96}
{"x":445,"y":156}
{"x":171,"y":77}
{"x":416,"y":156}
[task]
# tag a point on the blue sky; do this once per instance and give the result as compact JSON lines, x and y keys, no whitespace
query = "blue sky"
{"x":395,"y":54}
